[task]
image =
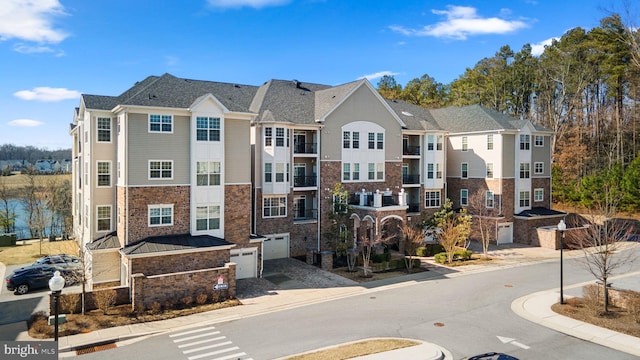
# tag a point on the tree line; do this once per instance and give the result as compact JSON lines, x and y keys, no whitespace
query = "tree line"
{"x":31,"y":153}
{"x":585,"y":87}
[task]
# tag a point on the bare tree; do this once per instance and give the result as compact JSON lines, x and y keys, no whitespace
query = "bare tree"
{"x":35,"y":206}
{"x":412,"y":237}
{"x":483,"y":222}
{"x":7,"y":209}
{"x":367,"y":245}
{"x":454,"y":228}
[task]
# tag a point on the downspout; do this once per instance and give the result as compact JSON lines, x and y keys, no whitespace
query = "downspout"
{"x":319,"y":191}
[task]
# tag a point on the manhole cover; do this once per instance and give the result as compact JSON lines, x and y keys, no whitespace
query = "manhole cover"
{"x":508,"y":286}
{"x":438,"y":324}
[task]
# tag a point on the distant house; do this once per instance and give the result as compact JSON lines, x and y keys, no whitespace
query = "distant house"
{"x":44,"y":166}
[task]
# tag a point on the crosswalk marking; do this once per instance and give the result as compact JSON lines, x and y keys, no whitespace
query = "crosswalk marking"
{"x":207,"y":342}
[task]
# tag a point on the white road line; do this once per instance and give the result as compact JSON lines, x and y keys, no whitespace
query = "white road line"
{"x":196,"y":336}
{"x":207,"y":347}
{"x":231,"y":356}
{"x":201,"y":342}
{"x":213,"y":353}
{"x":192,"y":331}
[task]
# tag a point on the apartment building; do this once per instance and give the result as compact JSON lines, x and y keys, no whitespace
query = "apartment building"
{"x":180,"y":175}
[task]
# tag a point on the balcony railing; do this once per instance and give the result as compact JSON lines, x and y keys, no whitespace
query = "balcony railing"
{"x":410,"y":150}
{"x":305,"y":148}
{"x":411,"y":179}
{"x":304,"y":181}
{"x":389,"y":200}
{"x":305,"y":214}
{"x":413,"y":208}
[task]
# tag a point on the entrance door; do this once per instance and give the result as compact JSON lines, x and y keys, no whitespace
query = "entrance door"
{"x":299,"y":145}
{"x":299,"y":174}
{"x":299,"y":207}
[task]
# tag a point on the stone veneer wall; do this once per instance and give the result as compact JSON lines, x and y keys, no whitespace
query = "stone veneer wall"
{"x":525,"y":231}
{"x":303,"y":235}
{"x":163,"y":264}
{"x":139,"y":200}
{"x":121,"y":220}
{"x":174,"y":286}
{"x":543,"y":183}
{"x":237,"y":213}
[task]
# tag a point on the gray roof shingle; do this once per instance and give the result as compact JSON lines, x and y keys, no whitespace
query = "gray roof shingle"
{"x":158,"y":244}
{"x":109,"y":241}
{"x":415,"y":117}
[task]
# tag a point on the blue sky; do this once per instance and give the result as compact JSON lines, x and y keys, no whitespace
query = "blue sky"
{"x":52,"y":51}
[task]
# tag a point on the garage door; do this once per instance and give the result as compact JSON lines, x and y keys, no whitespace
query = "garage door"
{"x":246,"y":260}
{"x":505,"y":233}
{"x":276,"y":247}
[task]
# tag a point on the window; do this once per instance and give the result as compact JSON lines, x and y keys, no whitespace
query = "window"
{"x":439,"y":143}
{"x":268,"y":136}
{"x":380,"y":141}
{"x":104,"y":173}
{"x":538,"y":168}
{"x":380,"y":171}
{"x":160,"y":169}
{"x":267,"y":172}
{"x":464,"y":170}
{"x":356,"y":172}
{"x":489,"y":199}
{"x":103,"y":215}
{"x":464,"y":197}
{"x":280,"y":137}
{"x":372,"y":171}
{"x":346,"y":140}
{"x":438,"y":171}
{"x":430,"y":142}
{"x":524,"y":199}
{"x":524,"y":171}
{"x":538,"y":195}
{"x":207,"y":129}
{"x":274,"y":206}
{"x":429,"y":171}
{"x":525,"y":142}
{"x":208,"y":217}
{"x":538,"y":141}
{"x":340,"y":204}
{"x":207,"y":173}
{"x":372,"y":140}
{"x":346,"y":172}
{"x":490,"y":142}
{"x":355,"y":140}
{"x":104,"y":129}
{"x":160,"y":123}
{"x":279,"y":172}
{"x":432,"y":199}
{"x":160,"y":215}
{"x":490,"y":170}
{"x":465,"y":143}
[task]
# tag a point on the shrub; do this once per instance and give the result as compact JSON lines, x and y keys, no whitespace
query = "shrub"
{"x":105,"y":299}
{"x":440,"y":258}
{"x":186,"y":300}
{"x":591,"y":298}
{"x":422,"y":251}
{"x":69,"y":302}
{"x":633,"y":307}
{"x":155,"y":307}
{"x":201,"y":299}
{"x":169,"y":304}
{"x":433,"y":249}
{"x":462,"y":254}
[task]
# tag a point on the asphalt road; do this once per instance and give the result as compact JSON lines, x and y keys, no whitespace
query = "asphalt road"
{"x":467,"y":314}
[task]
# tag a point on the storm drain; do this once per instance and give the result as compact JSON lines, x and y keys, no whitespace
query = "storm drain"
{"x":95,"y":348}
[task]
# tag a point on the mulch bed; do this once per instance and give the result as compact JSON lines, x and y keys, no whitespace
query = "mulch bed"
{"x":618,"y":319}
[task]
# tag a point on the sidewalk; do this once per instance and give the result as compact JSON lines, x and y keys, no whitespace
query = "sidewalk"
{"x":295,"y":291}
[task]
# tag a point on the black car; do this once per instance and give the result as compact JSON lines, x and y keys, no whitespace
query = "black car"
{"x":36,"y":276}
{"x":62,"y":261}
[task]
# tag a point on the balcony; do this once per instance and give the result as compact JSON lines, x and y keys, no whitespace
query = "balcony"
{"x":304,"y":214}
{"x":410,"y":179}
{"x":378,"y":199}
{"x":410,"y":150}
{"x":413,"y":208}
{"x":305,"y":148}
{"x":305,"y":181}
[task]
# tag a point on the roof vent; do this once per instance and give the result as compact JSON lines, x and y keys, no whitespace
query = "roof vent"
{"x":296,"y":83}
{"x":406,"y":113}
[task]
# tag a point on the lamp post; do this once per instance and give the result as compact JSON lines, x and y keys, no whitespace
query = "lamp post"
{"x":561,"y":227}
{"x":56,"y":283}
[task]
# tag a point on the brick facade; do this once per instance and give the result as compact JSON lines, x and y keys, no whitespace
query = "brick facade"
{"x":163,"y":263}
{"x":237,"y":213}
{"x":138,"y":216}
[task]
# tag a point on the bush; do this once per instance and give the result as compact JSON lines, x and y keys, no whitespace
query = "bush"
{"x":429,"y":250}
{"x":186,"y":301}
{"x":155,"y":307}
{"x":201,"y":299}
{"x":463,"y":255}
{"x":105,"y":299}
{"x":591,"y":298}
{"x":378,"y":258}
{"x":422,"y":251}
{"x":440,"y":258}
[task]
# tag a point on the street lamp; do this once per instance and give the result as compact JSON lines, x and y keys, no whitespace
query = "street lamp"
{"x":561,"y":227}
{"x":56,"y":283}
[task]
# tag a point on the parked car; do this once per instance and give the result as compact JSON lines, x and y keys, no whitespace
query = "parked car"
{"x":492,"y":356}
{"x":61,"y":262}
{"x":37,"y":276}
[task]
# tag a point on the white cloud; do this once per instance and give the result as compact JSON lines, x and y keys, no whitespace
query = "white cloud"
{"x":31,"y":20}
{"x":47,"y":94}
{"x":25,"y":123}
{"x":39,"y":49}
{"x":538,"y":49}
{"x":378,"y":75}
{"x":461,"y":22}
{"x":256,"y":4}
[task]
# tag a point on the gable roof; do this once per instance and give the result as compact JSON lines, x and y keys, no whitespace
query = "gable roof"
{"x":470,"y":118}
{"x":286,"y":101}
{"x":109,"y":241}
{"x":180,"y":242}
{"x":415,"y":117}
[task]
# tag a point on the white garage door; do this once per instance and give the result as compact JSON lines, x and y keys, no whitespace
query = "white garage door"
{"x":276,"y":246}
{"x":505,"y":233}
{"x":246,"y":260}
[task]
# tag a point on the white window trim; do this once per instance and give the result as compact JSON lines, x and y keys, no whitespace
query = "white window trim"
{"x":98,"y":174}
{"x":427,"y":199}
{"x":286,"y":205}
{"x":535,"y":168}
{"x":98,"y":129}
{"x":98,"y":218}
{"x":209,"y":217}
{"x":486,"y":199}
{"x":160,"y":131}
{"x":535,"y":193}
{"x":465,"y":144}
{"x":159,"y":178}
{"x":159,"y":206}
{"x":487,"y":171}
{"x":466,"y":198}
{"x":462,"y":171}
{"x":535,"y":140}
